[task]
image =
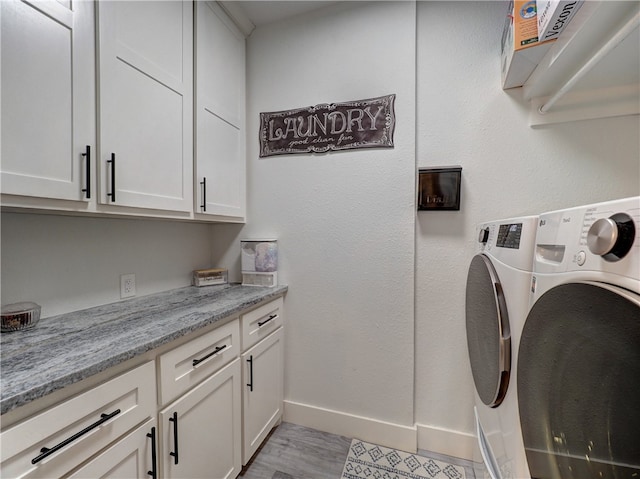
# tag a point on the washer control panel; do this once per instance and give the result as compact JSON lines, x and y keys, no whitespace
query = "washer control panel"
{"x":600,"y":237}
{"x":510,"y":241}
{"x":509,"y":236}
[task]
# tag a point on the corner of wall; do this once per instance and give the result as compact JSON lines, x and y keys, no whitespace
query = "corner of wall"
{"x":446,"y":441}
{"x":382,"y":433}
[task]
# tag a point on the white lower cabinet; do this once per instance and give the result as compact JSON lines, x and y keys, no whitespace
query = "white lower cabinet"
{"x":135,"y":456}
{"x":188,"y":365}
{"x":263,"y":372}
{"x":206,"y":417}
{"x":263,"y":392}
{"x":201,"y":432}
{"x":57,"y":440}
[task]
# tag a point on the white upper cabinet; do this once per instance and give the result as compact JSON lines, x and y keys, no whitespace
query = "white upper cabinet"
{"x":48,"y":100}
{"x":130,"y":66}
{"x":145,"y":84}
{"x":593,"y":68}
{"x":220,"y":180}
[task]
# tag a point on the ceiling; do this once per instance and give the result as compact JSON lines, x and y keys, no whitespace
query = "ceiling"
{"x":263,"y":12}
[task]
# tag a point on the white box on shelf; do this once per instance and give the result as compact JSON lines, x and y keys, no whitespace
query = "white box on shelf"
{"x":554,"y":15}
{"x":521,"y":48}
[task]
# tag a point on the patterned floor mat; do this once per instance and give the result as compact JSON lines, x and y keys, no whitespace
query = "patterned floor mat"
{"x":368,"y":461}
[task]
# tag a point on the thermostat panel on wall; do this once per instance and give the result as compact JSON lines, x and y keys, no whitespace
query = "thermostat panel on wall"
{"x":439,"y":188}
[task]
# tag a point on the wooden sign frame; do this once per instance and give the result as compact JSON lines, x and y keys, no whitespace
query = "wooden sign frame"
{"x":329,"y":127}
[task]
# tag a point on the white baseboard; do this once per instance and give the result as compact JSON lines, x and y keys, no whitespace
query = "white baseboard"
{"x":406,"y":438}
{"x":445,"y":441}
{"x":335,"y":422}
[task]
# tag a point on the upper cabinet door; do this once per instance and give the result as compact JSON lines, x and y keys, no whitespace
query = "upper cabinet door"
{"x":48,"y":98}
{"x":220,"y":114}
{"x":146,"y":104}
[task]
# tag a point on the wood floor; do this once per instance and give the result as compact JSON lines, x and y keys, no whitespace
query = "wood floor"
{"x":296,"y":452}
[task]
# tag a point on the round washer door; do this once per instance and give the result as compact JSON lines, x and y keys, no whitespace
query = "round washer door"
{"x":579,"y":383}
{"x":488,"y":332}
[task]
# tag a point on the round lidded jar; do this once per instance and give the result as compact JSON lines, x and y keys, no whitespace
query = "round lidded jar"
{"x":19,"y":316}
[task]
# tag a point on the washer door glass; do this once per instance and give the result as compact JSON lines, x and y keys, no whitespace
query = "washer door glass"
{"x":488,"y":333}
{"x":579,"y":383}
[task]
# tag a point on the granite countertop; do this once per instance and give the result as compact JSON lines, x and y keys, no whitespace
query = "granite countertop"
{"x":62,"y":350}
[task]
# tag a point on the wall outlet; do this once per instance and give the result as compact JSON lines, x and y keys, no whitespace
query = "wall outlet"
{"x":127,"y":285}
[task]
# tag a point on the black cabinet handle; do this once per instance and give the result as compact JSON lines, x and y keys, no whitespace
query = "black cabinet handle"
{"x":113,"y":177}
{"x":87,"y":172}
{"x":154,"y":471}
{"x":215,"y":351}
{"x":273,"y":316}
{"x":204,"y":194}
{"x":250,"y":383}
{"x":45,"y":451}
{"x":174,"y":420}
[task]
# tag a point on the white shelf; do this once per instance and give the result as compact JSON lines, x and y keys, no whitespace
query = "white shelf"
{"x":593,"y":69}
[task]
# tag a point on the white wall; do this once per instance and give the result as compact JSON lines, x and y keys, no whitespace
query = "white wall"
{"x":344,"y":221}
{"x":69,"y":263}
{"x":509,"y":169}
{"x":319,"y":207}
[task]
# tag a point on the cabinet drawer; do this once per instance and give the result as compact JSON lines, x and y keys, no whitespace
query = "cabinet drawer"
{"x":76,"y":429}
{"x":187,"y":365}
{"x":261,"y":322}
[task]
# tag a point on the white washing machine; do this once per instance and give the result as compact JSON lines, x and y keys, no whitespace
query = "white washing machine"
{"x":497,"y":303}
{"x":579,"y":360}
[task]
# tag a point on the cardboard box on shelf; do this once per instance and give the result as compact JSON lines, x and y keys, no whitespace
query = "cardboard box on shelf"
{"x":521,"y":49}
{"x":553,"y":16}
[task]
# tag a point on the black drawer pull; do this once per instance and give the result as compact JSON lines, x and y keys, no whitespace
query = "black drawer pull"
{"x":174,"y":420}
{"x":273,"y":316}
{"x":250,"y":383}
{"x":87,"y":172}
{"x":154,"y":471}
{"x":215,"y":351}
{"x":45,"y":451}
{"x":113,"y":177}
{"x":204,"y":194}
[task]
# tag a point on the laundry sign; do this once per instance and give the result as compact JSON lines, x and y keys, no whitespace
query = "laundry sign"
{"x":329,"y":126}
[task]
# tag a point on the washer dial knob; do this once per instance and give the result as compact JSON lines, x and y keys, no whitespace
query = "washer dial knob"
{"x":602,"y":236}
{"x":611,"y":237}
{"x":483,"y":236}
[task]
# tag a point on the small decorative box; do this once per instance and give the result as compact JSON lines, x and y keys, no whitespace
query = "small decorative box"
{"x":207,"y":277}
{"x":259,"y":255}
{"x":259,"y":261}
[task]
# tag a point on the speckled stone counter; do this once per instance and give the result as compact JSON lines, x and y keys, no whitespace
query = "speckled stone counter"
{"x":62,"y":350}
